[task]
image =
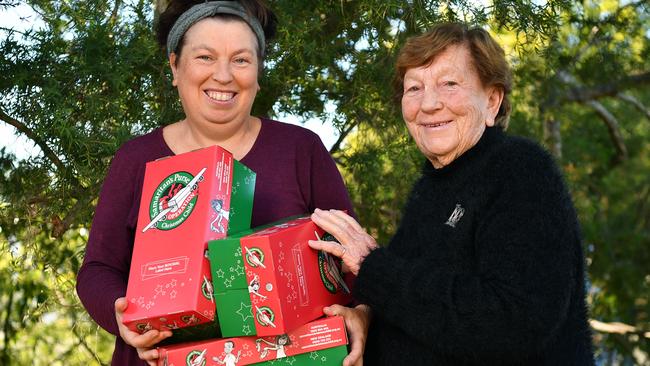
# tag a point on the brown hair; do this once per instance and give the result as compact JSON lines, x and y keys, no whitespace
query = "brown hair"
{"x":488,"y":59}
{"x":255,"y":8}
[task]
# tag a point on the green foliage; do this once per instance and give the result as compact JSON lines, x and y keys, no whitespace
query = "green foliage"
{"x":87,"y":76}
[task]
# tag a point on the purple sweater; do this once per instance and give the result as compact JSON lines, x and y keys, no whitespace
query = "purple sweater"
{"x":295,"y":175}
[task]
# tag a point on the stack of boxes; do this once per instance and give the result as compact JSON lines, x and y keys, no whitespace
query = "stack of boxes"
{"x":270,"y":281}
{"x":267,"y":286}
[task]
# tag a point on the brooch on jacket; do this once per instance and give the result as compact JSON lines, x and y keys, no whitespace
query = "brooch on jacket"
{"x":458,"y":213}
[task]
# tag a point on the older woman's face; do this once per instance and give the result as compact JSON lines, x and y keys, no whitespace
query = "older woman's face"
{"x":445,"y":106}
{"x":216,"y":74}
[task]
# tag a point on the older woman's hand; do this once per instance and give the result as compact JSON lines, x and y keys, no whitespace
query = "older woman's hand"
{"x":143,"y":343}
{"x":357,"y":320}
{"x":354,"y":242}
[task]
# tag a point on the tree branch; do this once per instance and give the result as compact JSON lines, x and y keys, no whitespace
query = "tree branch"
{"x":21,"y":127}
{"x":7,"y":328}
{"x":553,"y":136}
{"x":59,"y":226}
{"x":585,"y":94}
{"x":114,"y":14}
{"x":635,"y":102}
{"x":85,"y":345}
{"x":337,"y":145}
{"x":612,"y":127}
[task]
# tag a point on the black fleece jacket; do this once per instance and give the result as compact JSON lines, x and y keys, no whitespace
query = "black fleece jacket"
{"x":486,"y":267}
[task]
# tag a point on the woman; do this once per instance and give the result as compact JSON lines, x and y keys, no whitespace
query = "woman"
{"x":216,"y":51}
{"x":486,"y":267}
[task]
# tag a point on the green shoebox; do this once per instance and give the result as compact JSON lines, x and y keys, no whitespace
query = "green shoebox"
{"x":235,"y":314}
{"x":229,"y":283}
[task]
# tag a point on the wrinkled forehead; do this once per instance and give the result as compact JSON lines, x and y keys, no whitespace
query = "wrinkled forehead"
{"x":455,"y":59}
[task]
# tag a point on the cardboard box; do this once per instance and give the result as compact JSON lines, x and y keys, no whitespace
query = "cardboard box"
{"x":321,"y":342}
{"x":270,"y":281}
{"x":187,"y":200}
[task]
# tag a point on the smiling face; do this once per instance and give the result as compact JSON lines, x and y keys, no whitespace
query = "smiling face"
{"x":216,"y":74}
{"x":228,"y":347}
{"x":445,"y":106}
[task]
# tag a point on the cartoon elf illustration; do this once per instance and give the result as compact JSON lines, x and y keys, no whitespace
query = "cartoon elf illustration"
{"x":217,"y":206}
{"x":280,"y":341}
{"x":229,"y":359}
{"x":254,"y":287}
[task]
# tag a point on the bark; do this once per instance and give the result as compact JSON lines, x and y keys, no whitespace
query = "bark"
{"x":613,"y":128}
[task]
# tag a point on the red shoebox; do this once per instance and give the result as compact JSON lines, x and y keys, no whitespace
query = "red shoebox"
{"x":187,"y":200}
{"x":287,"y":282}
{"x":307,"y":340}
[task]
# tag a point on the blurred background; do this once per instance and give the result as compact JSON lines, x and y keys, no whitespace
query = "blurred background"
{"x":78,"y":78}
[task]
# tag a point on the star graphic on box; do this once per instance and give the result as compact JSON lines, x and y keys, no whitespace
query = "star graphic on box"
{"x":245,"y":311}
{"x":290,"y":360}
{"x":246,"y":329}
{"x":313,"y":355}
{"x":220,"y":273}
{"x":227,"y":283}
{"x":173,"y":283}
{"x":239,"y":270}
{"x":172,"y":294}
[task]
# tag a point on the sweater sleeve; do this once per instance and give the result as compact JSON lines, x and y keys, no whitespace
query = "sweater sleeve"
{"x":515,"y":296}
{"x":322,"y":177}
{"x":104,"y":273}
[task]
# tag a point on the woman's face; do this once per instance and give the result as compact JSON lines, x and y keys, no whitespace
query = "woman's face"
{"x":445,"y":106}
{"x":216,"y":74}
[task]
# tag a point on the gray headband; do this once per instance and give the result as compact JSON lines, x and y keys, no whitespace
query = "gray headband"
{"x":208,"y":9}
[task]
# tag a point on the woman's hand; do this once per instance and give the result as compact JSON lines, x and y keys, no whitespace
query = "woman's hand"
{"x":355,"y":243}
{"x":357,"y":320}
{"x":143,"y":343}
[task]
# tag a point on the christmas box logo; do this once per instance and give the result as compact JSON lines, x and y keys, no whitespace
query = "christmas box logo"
{"x":173,"y":200}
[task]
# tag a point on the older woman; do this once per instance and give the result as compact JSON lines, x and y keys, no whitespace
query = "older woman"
{"x":486,"y":267}
{"x":216,"y":51}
